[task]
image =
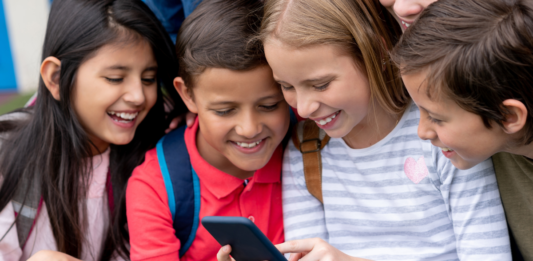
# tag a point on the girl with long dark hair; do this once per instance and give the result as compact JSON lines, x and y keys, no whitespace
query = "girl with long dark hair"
{"x":105,"y":98}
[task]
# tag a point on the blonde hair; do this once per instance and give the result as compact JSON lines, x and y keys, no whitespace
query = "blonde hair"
{"x":358,"y":26}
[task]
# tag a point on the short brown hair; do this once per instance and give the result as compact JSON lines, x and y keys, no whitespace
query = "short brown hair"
{"x":476,"y":52}
{"x":218,"y":35}
{"x":361,"y":27}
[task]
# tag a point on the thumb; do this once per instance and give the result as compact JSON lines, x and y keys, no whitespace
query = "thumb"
{"x":223,"y":254}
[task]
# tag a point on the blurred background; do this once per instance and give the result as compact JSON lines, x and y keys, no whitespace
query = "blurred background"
{"x":22,"y":29}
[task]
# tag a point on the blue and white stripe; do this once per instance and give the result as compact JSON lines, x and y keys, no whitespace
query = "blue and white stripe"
{"x":22,"y":30}
{"x":373,"y":210}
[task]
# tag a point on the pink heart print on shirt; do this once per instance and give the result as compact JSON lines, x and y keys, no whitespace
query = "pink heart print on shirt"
{"x":416,"y":171}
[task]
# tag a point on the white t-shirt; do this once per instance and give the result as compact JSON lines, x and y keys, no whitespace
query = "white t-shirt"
{"x":399,"y":199}
{"x":41,"y":237}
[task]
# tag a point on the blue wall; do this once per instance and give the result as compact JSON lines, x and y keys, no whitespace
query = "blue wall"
{"x":8,"y":80}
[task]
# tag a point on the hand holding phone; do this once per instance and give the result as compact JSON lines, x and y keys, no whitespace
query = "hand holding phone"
{"x":247,"y":242}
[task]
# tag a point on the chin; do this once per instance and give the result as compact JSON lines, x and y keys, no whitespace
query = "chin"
{"x":463,"y":164}
{"x":122,"y":141}
{"x":337,"y":134}
{"x":252,"y":165}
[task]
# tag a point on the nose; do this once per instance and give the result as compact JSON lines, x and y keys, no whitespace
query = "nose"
{"x":134,"y":94}
{"x":249,"y":126}
{"x":306,"y":104}
{"x":425,"y":131}
{"x":408,"y":9}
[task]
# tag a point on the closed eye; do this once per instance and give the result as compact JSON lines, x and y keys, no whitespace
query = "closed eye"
{"x":270,"y":107}
{"x":287,"y":88}
{"x":433,"y":120}
{"x":223,"y":112}
{"x":114,"y":80}
{"x":148,"y":81}
{"x":322,"y":87}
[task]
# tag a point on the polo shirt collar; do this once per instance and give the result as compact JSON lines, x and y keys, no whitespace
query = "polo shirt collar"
{"x":222,"y":184}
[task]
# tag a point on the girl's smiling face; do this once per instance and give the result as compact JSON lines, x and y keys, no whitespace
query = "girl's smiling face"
{"x":114,"y":90}
{"x":323,"y":83}
{"x":406,"y":11}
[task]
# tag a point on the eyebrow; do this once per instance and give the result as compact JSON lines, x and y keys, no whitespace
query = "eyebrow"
{"x":436,"y":114}
{"x":126,"y":68}
{"x":273,"y":96}
{"x":313,"y":80}
{"x":319,"y":79}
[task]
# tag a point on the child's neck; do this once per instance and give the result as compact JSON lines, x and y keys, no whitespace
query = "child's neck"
{"x":217,"y":160}
{"x":373,"y":128}
{"x":525,"y":150}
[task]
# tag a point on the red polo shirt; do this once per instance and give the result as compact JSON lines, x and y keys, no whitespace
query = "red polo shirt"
{"x":150,"y":222}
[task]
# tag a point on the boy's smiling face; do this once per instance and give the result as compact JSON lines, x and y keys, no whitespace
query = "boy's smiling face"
{"x":461,"y":135}
{"x":242,"y":118}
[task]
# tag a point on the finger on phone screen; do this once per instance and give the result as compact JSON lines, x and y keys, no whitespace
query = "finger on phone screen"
{"x":297,"y":246}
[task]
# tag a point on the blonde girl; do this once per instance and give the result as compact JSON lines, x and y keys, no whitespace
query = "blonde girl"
{"x":387,"y":194}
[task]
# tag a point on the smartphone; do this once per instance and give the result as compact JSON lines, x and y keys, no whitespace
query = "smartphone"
{"x":247,"y":242}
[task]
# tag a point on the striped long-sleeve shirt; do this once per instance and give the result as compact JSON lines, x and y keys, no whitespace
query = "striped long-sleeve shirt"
{"x":399,"y":199}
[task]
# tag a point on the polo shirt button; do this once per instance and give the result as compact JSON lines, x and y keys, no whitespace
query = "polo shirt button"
{"x":251,"y":218}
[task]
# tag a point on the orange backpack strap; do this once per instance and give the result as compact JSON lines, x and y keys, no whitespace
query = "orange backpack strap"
{"x":310,"y":139}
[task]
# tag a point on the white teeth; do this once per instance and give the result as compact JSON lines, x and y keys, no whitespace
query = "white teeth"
{"x":124,"y":115}
{"x":406,"y":24}
{"x":326,"y":120}
{"x":248,"y":145}
{"x":446,"y":149}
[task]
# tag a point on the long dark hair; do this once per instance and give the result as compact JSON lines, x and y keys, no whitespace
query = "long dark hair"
{"x":51,"y":145}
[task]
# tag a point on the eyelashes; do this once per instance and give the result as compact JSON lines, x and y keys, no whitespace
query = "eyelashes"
{"x":433,"y":120}
{"x":265,"y":108}
{"x":317,"y":88}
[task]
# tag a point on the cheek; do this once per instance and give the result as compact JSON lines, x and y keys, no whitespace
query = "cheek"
{"x":387,"y":3}
{"x":217,"y":129}
{"x":453,"y":138}
{"x":290,"y":97}
{"x":280,"y":121}
{"x":151,"y":97}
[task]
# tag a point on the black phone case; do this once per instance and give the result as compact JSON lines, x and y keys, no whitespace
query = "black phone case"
{"x":247,"y":242}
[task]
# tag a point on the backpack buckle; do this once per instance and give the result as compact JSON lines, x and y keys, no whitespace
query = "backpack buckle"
{"x":318,"y":144}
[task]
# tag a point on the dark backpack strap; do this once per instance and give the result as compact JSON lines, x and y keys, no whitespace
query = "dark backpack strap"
{"x":182,"y":185}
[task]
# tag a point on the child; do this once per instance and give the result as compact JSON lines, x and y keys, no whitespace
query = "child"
{"x":474,"y":93}
{"x":234,"y":145}
{"x":100,"y":108}
{"x":386,"y":193}
{"x":405,"y":12}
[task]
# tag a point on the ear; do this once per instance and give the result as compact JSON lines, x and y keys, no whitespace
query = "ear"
{"x":516,"y":119}
{"x":50,"y":69}
{"x":186,"y":94}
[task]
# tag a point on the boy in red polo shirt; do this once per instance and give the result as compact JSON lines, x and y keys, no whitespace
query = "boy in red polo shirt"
{"x":235,"y":144}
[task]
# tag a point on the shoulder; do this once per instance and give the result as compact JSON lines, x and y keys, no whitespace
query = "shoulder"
{"x":146,"y":175}
{"x":15,"y":116}
{"x":513,"y":170}
{"x":150,"y":164}
{"x":510,"y":162}
{"x":9,"y":246}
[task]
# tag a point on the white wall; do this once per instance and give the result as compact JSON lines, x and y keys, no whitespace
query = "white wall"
{"x":26,"y":25}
